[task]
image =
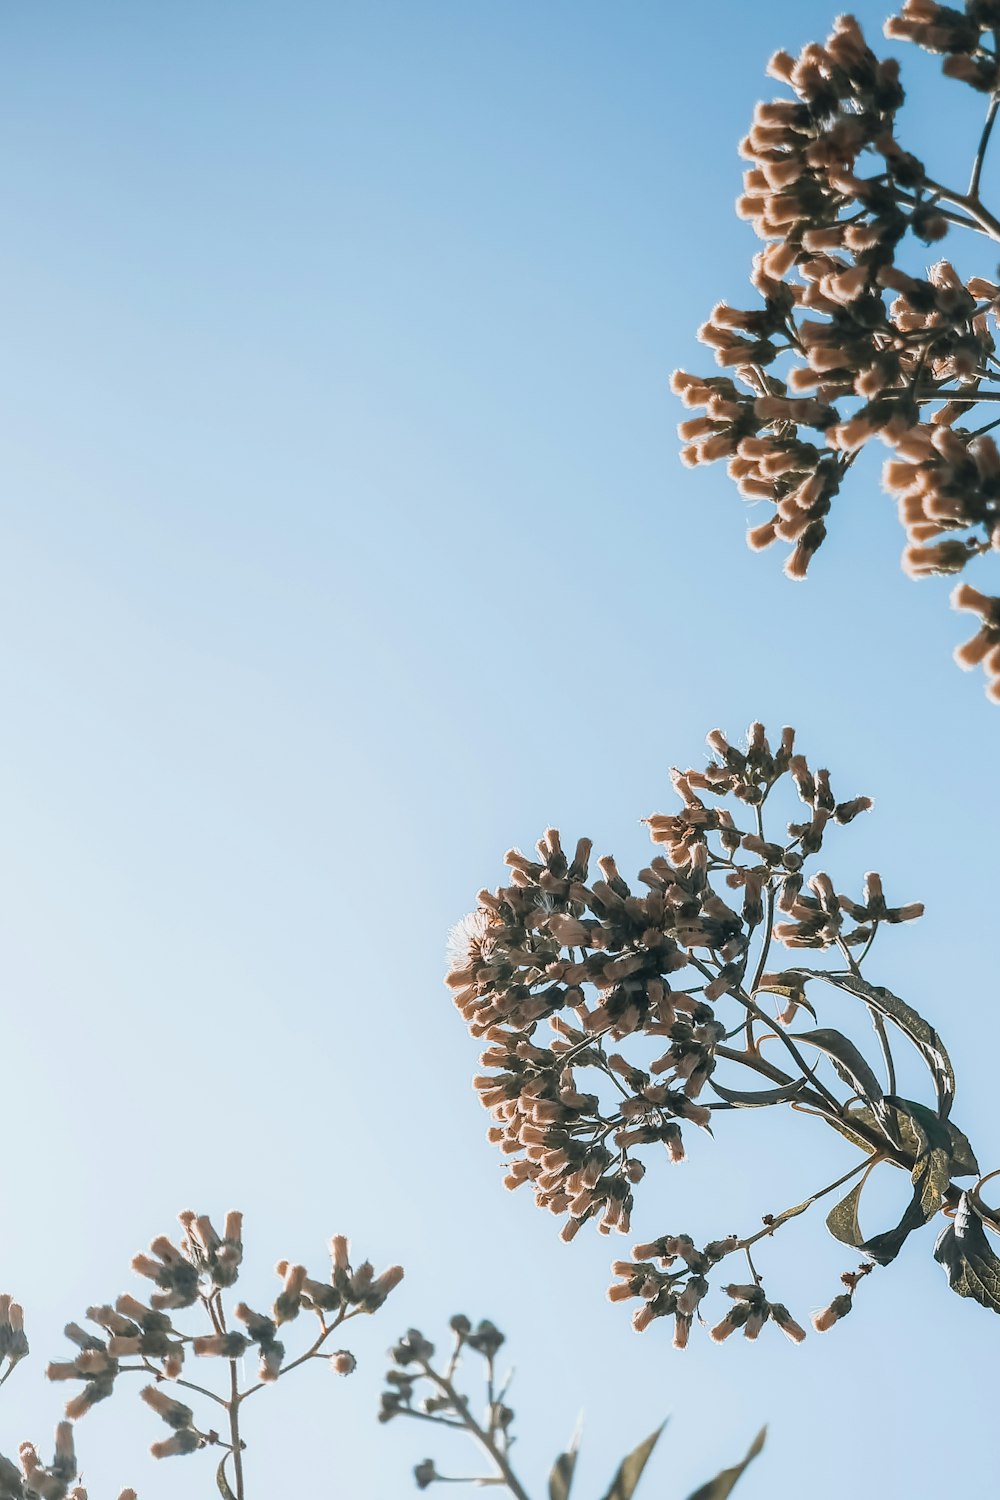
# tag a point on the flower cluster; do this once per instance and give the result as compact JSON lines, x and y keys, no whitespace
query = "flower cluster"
{"x":966,"y":39}
{"x":411,"y":1356}
{"x":609,"y":1015}
{"x":983,"y":649}
{"x":419,"y":1389}
{"x":843,"y":1303}
{"x":196,"y":1270}
{"x":416,"y":1389}
{"x":13,"y":1341}
{"x":605,"y":964}
{"x":131,"y":1337}
{"x":849,"y":344}
{"x":664,"y":1290}
{"x":33,"y":1480}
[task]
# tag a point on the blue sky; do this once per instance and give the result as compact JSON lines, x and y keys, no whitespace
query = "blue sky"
{"x":346,"y":545}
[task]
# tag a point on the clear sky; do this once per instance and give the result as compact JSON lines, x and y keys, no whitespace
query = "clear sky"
{"x":345,"y":545}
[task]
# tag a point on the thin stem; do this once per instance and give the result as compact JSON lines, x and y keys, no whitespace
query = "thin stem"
{"x":188,"y":1385}
{"x":972,"y":206}
{"x":876,"y":1020}
{"x":960,"y":220}
{"x":234,"y":1430}
{"x":776,"y":1222}
{"x":965,"y":398}
{"x":484,"y":1438}
{"x":766,"y":939}
{"x":327,"y":1329}
{"x":984,"y":140}
{"x":423,"y":1416}
{"x":766,"y":945}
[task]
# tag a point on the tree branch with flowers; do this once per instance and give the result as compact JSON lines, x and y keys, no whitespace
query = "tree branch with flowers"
{"x":616,"y":1020}
{"x":852,"y":338}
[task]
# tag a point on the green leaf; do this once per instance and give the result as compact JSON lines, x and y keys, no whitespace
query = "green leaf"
{"x":941,"y":1133}
{"x":758,"y":1098}
{"x":222,"y":1481}
{"x":963,"y":1158}
{"x":931,"y":1176}
{"x":932,"y":1170}
{"x":722,"y":1485}
{"x":883,"y":1248}
{"x":910,"y":1022}
{"x":561,"y":1477}
{"x":854,"y":1069}
{"x":864,"y":1118}
{"x":911,"y":1115}
{"x":842,"y":1220}
{"x":630,"y":1470}
{"x":972,"y":1268}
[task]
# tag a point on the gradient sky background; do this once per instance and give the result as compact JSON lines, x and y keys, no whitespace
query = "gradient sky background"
{"x":346,"y":545}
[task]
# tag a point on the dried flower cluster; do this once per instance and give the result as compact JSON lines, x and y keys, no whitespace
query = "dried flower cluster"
{"x":643,"y":992}
{"x":30,"y":1479}
{"x":33,"y":1480}
{"x":848,"y":344}
{"x":13,"y":1341}
{"x":132,"y":1337}
{"x":415,"y":1387}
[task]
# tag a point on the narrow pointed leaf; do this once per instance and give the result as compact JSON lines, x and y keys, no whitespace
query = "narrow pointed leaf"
{"x":222,"y":1482}
{"x":723,"y":1484}
{"x":561,"y":1477}
{"x":853,"y":1068}
{"x":630,"y":1470}
{"x":758,"y":1098}
{"x":970,"y":1263}
{"x":920,"y":1032}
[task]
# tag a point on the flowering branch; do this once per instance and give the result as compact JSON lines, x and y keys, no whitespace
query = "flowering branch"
{"x":195,"y":1274}
{"x":606,"y":967}
{"x":849,"y":345}
{"x":413,"y":1372}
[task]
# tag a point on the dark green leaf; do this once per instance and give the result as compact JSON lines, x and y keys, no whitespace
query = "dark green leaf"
{"x":910,"y":1116}
{"x":561,"y":1477}
{"x":759,"y":1098}
{"x":931,"y":1176}
{"x":941,"y":1134}
{"x":883,"y":1248}
{"x":630,"y":1470}
{"x":722,"y":1485}
{"x":854,"y":1070}
{"x":864,"y":1118}
{"x":222,"y":1481}
{"x":963,"y":1158}
{"x":793,"y":991}
{"x":972,"y":1268}
{"x":920,"y":1032}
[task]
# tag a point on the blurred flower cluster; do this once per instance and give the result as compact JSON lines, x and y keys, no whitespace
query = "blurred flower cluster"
{"x":418,"y":1388}
{"x":848,"y":343}
{"x":132,"y":1337}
